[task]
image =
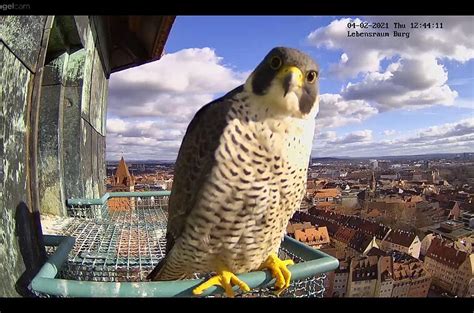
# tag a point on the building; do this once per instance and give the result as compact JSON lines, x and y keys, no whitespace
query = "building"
{"x":450,"y":229}
{"x":389,"y":176}
{"x":427,"y":214}
{"x":468,"y":219}
{"x":349,"y":200}
{"x":340,"y":276}
{"x":342,"y":237}
{"x":384,"y":285}
{"x":53,"y":90}
{"x":392,"y":274}
{"x":362,"y":277}
{"x":451,"y":269}
{"x":425,"y":244}
{"x":327,"y":195}
{"x":292,"y":226}
{"x":122,"y":181}
{"x":403,"y":241}
{"x":384,"y":164}
{"x":371,"y":228}
{"x":452,"y":209}
{"x":373,"y":183}
{"x":313,"y":236}
{"x":410,"y":278}
{"x":326,"y":198}
{"x":364,"y":225}
{"x":361,"y":243}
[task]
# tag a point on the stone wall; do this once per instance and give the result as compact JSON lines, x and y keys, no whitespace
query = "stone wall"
{"x":53,"y":95}
{"x":20,"y":46}
{"x":73,"y":108}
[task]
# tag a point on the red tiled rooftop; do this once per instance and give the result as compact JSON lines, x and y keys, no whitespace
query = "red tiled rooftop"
{"x":345,"y":234}
{"x":312,"y":235}
{"x":401,"y":237}
{"x":448,"y":256}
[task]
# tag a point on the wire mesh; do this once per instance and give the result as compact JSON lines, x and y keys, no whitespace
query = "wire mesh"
{"x":311,"y":287}
{"x":124,"y":239}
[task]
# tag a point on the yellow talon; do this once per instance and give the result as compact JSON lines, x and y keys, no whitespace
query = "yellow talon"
{"x":280,"y":272}
{"x":225,"y":279}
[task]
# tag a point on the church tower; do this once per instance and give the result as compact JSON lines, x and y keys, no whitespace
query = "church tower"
{"x":373,"y":182}
{"x":122,"y":181}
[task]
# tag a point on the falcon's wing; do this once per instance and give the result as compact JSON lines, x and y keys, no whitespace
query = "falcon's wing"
{"x":195,"y":161}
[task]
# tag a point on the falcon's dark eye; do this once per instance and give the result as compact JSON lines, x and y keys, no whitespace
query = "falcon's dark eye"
{"x":275,"y":63}
{"x":311,"y":76}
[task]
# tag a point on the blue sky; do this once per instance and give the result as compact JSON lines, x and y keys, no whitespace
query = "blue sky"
{"x":379,"y":96}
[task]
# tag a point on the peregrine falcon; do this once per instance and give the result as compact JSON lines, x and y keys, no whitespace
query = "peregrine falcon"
{"x":241,"y":174}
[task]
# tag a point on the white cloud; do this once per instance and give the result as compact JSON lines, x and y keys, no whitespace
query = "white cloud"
{"x":335,"y":111}
{"x":154,"y":103}
{"x":389,"y":132}
{"x":466,"y":103}
{"x":146,"y":129}
{"x":144,"y":139}
{"x":327,"y":135}
{"x":445,"y":138}
{"x":461,"y":128}
{"x":461,"y":81}
{"x":186,"y":71}
{"x":455,"y":41}
{"x":408,"y":82}
{"x":116,"y":125}
{"x":354,"y":137}
{"x":150,"y":106}
{"x":415,"y":76}
{"x":175,"y":86}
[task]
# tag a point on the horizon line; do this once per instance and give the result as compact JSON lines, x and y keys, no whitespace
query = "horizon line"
{"x":322,"y":157}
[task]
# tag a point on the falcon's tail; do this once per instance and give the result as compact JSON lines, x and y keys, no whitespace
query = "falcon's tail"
{"x":154,"y":275}
{"x":166,"y":270}
{"x":163,"y":272}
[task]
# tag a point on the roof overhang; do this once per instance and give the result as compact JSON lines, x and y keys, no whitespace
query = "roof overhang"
{"x":134,"y":40}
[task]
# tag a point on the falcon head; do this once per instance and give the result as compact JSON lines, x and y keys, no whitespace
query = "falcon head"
{"x":287,"y":81}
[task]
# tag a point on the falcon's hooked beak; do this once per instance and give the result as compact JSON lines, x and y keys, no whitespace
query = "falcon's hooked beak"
{"x":292,"y":77}
{"x":293,"y":80}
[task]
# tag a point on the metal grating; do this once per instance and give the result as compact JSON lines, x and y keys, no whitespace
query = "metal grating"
{"x":118,"y":243}
{"x":311,"y":287}
{"x":124,"y":239}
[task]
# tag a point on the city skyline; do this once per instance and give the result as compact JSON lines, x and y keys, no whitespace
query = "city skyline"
{"x":398,"y":229}
{"x":379,"y":97}
{"x":381,"y":157}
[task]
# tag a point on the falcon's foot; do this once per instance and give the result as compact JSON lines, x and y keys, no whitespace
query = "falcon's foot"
{"x":280,"y":271}
{"x":225,"y":279}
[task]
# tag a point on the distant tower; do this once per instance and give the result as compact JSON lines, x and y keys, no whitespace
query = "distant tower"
{"x":373,"y":182}
{"x":122,"y":181}
{"x":435,"y":176}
